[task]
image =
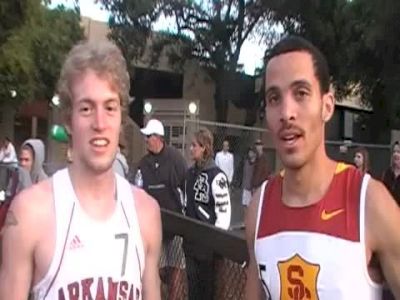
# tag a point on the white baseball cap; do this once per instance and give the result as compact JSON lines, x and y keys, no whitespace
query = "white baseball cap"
{"x":153,"y":127}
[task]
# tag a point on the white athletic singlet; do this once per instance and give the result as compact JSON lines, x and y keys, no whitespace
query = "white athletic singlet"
{"x":92,"y":259}
{"x":315,"y":252}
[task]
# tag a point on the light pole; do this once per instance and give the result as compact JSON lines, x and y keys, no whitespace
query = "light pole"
{"x":192,"y":110}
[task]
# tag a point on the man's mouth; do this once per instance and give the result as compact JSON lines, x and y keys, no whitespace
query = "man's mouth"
{"x":99,"y":142}
{"x":290,"y":138}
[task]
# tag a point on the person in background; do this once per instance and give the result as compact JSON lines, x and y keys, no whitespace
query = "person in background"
{"x":391,"y":178}
{"x":14,"y":178}
{"x":361,"y":159}
{"x":224,"y":160}
{"x":120,"y":164}
{"x":208,"y":200}
{"x":8,"y":154}
{"x":248,"y":170}
{"x":31,"y":158}
{"x":162,"y":174}
{"x":261,"y":170}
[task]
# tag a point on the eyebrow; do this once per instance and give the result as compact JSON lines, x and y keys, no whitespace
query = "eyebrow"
{"x":295,"y":83}
{"x":90,"y":101}
{"x":300,"y":82}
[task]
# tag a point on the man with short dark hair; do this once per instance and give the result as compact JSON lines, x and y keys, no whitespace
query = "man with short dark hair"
{"x":314,"y":229}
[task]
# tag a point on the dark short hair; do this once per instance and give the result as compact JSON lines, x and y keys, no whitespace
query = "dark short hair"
{"x":298,"y":44}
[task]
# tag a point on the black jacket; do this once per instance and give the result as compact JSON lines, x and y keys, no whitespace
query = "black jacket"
{"x":207,"y":195}
{"x":164,"y":177}
{"x":392,"y":183}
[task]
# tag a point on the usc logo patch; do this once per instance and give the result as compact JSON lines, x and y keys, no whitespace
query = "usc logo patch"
{"x":298,"y":279}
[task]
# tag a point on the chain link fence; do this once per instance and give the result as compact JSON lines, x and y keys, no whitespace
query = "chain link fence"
{"x":209,"y":262}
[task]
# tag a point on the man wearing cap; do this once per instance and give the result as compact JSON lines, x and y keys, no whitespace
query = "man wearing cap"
{"x":163,"y":171}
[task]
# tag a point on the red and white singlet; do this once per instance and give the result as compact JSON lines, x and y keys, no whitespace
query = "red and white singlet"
{"x":315,"y":252}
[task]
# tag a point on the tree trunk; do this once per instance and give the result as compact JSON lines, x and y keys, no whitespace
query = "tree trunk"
{"x":380,"y":120}
{"x":221,"y":104}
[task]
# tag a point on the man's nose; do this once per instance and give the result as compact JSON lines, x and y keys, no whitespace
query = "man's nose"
{"x":99,"y":122}
{"x":288,"y":109}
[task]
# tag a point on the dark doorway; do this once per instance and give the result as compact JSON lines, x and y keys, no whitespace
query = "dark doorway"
{"x":149,"y":83}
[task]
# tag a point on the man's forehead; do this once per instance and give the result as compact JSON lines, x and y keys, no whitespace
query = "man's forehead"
{"x":289,"y":67}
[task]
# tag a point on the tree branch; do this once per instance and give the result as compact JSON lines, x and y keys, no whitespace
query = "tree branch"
{"x":228,"y":12}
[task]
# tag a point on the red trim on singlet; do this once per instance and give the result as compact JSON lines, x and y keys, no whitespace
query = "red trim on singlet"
{"x":63,"y":252}
{"x":341,"y":204}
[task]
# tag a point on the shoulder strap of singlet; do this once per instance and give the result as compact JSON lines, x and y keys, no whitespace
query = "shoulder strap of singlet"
{"x":363,"y":196}
{"x":64,"y":206}
{"x":259,"y":209}
{"x":127,"y":201}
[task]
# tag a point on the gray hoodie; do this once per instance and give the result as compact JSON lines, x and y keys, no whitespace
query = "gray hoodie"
{"x":120,"y":164}
{"x":37,"y":172}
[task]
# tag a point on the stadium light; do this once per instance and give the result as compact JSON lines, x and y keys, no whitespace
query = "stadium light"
{"x":192,"y":108}
{"x":148,"y":107}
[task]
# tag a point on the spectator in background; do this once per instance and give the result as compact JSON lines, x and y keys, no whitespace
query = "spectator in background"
{"x":120,"y":165}
{"x":248,"y":170}
{"x":261,"y":169}
{"x":224,"y":160}
{"x":8,"y":154}
{"x":361,"y":159}
{"x":13,"y":178}
{"x":391,"y":177}
{"x":208,"y":200}
{"x":31,"y":158}
{"x":163,"y":172}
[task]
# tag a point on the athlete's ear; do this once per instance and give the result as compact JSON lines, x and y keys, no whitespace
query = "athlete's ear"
{"x":328,"y":106}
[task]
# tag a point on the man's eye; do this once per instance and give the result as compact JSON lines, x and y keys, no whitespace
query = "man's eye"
{"x":84,"y":109}
{"x":272,"y":99}
{"x":112,"y":108}
{"x":302,"y":93}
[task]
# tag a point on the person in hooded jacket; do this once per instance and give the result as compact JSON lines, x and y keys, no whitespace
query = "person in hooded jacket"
{"x":31,"y":158}
{"x":207,"y":200}
{"x":120,"y":165}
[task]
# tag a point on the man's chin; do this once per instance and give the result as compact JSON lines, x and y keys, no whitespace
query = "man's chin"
{"x":99,"y":168}
{"x":292,"y":162}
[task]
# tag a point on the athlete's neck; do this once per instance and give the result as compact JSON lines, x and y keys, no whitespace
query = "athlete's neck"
{"x":307,"y":185}
{"x":95,"y":192}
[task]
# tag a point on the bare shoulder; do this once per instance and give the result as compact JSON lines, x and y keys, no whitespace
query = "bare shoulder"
{"x":144,"y":203}
{"x":378,"y":199}
{"x":149,"y":217}
{"x":382,"y":214}
{"x":33,"y":202}
{"x":29,"y":214}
